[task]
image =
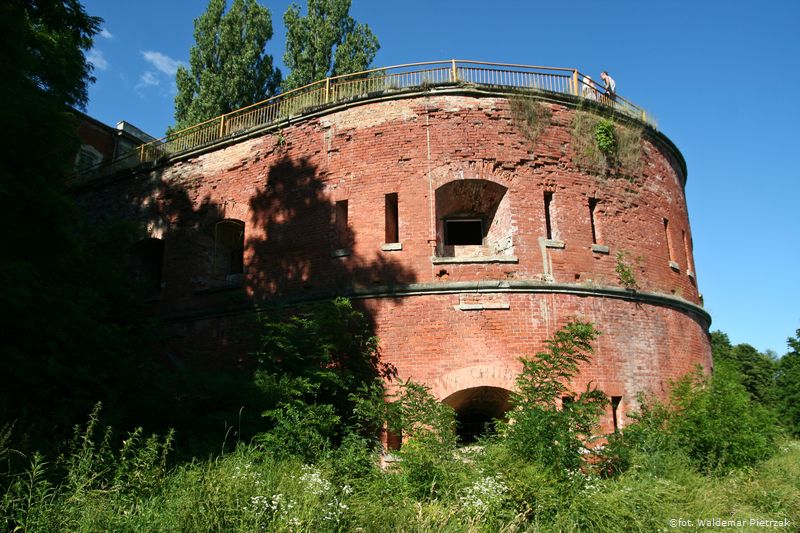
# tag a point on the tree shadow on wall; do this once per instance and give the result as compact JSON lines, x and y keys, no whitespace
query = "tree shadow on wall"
{"x":294,"y":254}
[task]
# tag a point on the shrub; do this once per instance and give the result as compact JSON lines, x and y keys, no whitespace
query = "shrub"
{"x":537,"y":430}
{"x":712,"y":421}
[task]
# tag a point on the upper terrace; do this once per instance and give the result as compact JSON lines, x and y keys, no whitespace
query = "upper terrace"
{"x":347,"y":88}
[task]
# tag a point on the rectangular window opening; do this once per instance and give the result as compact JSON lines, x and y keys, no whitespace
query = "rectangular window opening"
{"x":615,"y":401}
{"x":548,"y":226}
{"x":592,"y":213}
{"x":392,"y":219}
{"x":687,"y":250}
{"x":463,"y":232}
{"x":669,"y":241}
{"x":340,"y":223}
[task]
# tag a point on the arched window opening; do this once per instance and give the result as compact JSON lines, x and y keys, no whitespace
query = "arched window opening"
{"x":228,"y":248}
{"x":473,"y":219}
{"x":146,"y":261}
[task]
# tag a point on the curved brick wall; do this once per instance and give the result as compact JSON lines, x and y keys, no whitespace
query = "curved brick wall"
{"x":452,"y":316}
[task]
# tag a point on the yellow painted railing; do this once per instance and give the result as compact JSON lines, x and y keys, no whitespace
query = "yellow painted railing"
{"x":340,"y":89}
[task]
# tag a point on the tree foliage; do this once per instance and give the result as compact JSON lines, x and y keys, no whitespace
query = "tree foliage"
{"x":788,"y":385}
{"x":310,"y":366}
{"x":537,"y":430}
{"x":228,"y":66}
{"x":64,"y":291}
{"x":327,"y":41}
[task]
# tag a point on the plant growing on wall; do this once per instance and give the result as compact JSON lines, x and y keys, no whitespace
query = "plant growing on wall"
{"x":604,"y":137}
{"x":530,"y":116}
{"x":624,"y":270}
{"x":605,"y":147}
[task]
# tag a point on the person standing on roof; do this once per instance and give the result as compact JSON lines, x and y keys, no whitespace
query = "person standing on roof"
{"x":611,"y":86}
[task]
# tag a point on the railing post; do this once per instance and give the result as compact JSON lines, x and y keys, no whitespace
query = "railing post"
{"x":222,"y":126}
{"x":141,"y":153}
{"x":327,"y":90}
{"x":575,"y":87}
{"x":454,"y":71}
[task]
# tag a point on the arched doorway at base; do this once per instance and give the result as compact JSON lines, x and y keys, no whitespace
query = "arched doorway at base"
{"x":476,"y":408}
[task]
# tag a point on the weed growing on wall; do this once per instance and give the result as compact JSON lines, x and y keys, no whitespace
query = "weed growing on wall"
{"x":624,"y":269}
{"x":530,"y":116}
{"x":604,"y":147}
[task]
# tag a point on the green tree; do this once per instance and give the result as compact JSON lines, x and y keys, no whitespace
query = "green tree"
{"x":537,"y":430}
{"x":325,"y":42}
{"x":756,"y":370}
{"x":228,"y":67}
{"x":63,"y":346}
{"x":788,"y":386}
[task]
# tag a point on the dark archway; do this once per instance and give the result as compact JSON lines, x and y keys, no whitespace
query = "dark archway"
{"x":476,"y":408}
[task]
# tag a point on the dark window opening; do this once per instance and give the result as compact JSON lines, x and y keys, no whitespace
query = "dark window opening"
{"x":615,"y":401}
{"x":669,"y":240}
{"x":394,"y":439}
{"x":566,"y":400}
{"x":340,"y":224}
{"x":548,"y":226}
{"x":392,"y":229}
{"x":147,"y":258}
{"x":592,"y":208}
{"x":229,"y":247}
{"x":472,"y":425}
{"x":463,"y":232}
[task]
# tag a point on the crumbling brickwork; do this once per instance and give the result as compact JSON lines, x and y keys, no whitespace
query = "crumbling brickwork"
{"x":452,"y":316}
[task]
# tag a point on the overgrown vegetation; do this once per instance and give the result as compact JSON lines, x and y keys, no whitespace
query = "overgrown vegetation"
{"x":530,"y":116}
{"x":708,"y":450}
{"x":605,"y":147}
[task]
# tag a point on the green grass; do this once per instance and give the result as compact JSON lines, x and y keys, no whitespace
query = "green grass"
{"x":251,"y":490}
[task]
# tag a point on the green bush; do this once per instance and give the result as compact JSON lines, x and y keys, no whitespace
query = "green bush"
{"x":713,"y":422}
{"x":537,"y":429}
{"x":604,"y":137}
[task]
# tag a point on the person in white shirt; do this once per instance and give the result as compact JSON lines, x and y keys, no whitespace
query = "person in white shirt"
{"x":611,"y":86}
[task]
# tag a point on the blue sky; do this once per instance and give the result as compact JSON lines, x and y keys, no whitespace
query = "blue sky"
{"x":721,"y":77}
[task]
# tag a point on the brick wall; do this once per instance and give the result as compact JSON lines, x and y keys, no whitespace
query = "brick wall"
{"x":283,"y":187}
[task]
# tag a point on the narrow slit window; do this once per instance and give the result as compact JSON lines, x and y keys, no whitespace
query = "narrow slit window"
{"x":593,"y":220}
{"x":615,"y":402}
{"x":340,"y":224}
{"x":669,"y":241}
{"x":392,"y":219}
{"x":228,"y":247}
{"x":688,"y":251}
{"x":548,"y":225}
{"x":147,"y":258}
{"x":463,"y":231}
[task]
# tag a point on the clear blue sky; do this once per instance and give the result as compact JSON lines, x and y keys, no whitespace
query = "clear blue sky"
{"x":721,"y":77}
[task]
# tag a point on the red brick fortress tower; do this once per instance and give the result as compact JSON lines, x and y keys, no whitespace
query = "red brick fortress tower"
{"x":470,"y":219}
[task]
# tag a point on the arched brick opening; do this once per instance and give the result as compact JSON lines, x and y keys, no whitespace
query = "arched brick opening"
{"x":473,"y":218}
{"x":476,"y":408}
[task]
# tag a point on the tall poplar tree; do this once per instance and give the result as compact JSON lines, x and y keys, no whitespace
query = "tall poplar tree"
{"x":325,"y":42}
{"x":228,"y":66}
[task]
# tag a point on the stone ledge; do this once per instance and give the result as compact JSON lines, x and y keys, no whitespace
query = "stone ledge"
{"x":477,"y":259}
{"x":674,"y":266}
{"x":553,"y":243}
{"x":391,"y":246}
{"x":600,"y":248}
{"x":482,"y":307}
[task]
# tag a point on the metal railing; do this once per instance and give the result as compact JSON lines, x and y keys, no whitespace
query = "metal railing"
{"x":346,"y":87}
